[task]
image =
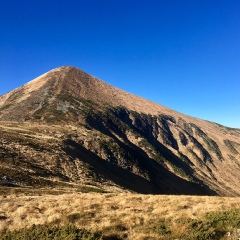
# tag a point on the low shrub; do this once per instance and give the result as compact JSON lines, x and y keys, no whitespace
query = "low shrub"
{"x":44,"y":232}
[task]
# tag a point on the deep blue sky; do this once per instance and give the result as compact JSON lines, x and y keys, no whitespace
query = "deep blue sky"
{"x":182,"y":54}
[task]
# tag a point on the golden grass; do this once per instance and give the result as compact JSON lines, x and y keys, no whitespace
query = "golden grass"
{"x":122,"y":213}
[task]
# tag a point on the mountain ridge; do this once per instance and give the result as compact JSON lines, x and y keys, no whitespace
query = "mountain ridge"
{"x":118,"y":135}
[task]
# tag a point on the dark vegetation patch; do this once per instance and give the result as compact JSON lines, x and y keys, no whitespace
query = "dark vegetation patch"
{"x":45,"y":232}
{"x":212,"y":145}
{"x":87,"y":189}
{"x":212,"y":225}
{"x":231,"y":145}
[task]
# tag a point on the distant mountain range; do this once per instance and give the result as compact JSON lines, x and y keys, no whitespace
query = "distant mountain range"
{"x":68,"y":128}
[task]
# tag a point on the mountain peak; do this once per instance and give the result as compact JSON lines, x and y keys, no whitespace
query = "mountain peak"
{"x":69,"y":82}
{"x":166,"y":150}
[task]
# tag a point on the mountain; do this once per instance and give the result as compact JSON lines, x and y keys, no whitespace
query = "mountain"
{"x":68,"y":128}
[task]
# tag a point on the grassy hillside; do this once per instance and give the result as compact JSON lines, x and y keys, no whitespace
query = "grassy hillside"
{"x":70,"y":127}
{"x":78,"y":215}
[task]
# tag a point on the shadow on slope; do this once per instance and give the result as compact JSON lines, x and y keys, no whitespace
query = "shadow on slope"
{"x":110,"y":171}
{"x":162,"y":181}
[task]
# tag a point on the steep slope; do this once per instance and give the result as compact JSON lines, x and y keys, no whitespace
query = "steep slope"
{"x":63,"y":89}
{"x":67,"y":125}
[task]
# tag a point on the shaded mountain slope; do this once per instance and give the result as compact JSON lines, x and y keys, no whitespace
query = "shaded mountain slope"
{"x":68,"y":126}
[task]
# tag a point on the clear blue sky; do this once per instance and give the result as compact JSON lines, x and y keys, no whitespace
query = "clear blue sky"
{"x":182,"y":54}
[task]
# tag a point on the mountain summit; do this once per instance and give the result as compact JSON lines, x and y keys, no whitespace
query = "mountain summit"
{"x":69,"y":127}
{"x":53,"y":87}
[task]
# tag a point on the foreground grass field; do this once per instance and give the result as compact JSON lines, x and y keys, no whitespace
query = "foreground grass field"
{"x":76,"y":215}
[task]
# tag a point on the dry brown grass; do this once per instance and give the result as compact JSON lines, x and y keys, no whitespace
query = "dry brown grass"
{"x":131,"y":215}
